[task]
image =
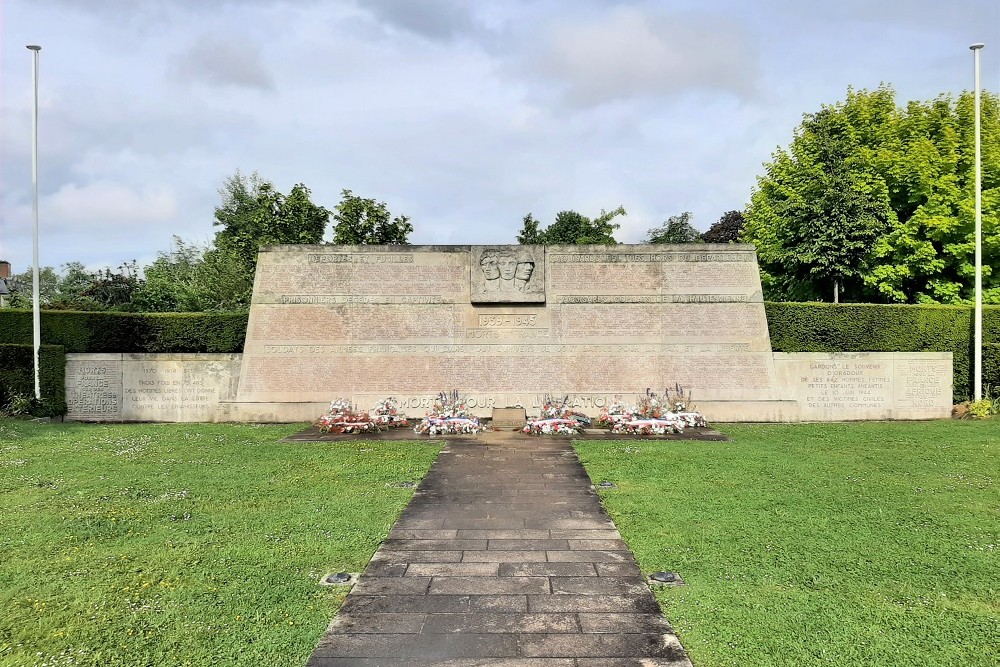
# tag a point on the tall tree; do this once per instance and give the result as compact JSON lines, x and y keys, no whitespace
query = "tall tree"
{"x":727,"y":229}
{"x":676,"y":229}
{"x":572,"y":228}
{"x":529,"y":234}
{"x":254,"y":213}
{"x":361,"y":221}
{"x":193,"y":278}
{"x":879,"y":199}
{"x":929,"y":256}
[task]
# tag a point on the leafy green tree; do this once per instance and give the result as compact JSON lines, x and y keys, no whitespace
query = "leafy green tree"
{"x":20,"y":286}
{"x":727,"y":229}
{"x":58,"y":290}
{"x":529,"y":234}
{"x":929,"y":255}
{"x":676,"y":229}
{"x":832,"y":206}
{"x":192,"y":278}
{"x":877,"y":199}
{"x":361,"y":221}
{"x":113,"y":290}
{"x":254,"y":213}
{"x":572,"y":228}
{"x":170,"y":280}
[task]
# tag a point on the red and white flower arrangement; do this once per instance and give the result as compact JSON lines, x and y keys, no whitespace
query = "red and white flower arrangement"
{"x":657,"y":416}
{"x":556,"y":419}
{"x":449,"y":416}
{"x":343,"y":418}
{"x":387,"y":413}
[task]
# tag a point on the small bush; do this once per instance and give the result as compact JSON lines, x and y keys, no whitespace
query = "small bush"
{"x":17,"y":380}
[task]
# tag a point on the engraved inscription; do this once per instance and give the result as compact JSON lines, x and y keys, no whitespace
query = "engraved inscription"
{"x":355,"y":299}
{"x":610,"y":258}
{"x":168,"y":387}
{"x":362,"y":279}
{"x":923,"y":384}
{"x":363,"y":258}
{"x":507,"y":320}
{"x":93,"y":389}
{"x":848,"y":385}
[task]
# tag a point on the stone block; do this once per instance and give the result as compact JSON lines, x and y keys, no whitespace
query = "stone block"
{"x":508,"y":418}
{"x":845,"y":386}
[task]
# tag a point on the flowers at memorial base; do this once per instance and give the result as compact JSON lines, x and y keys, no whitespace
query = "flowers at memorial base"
{"x":386,"y":412}
{"x":557,"y":419}
{"x":553,"y":426}
{"x":618,"y":411}
{"x":343,"y":418}
{"x":449,"y":416}
{"x":654,"y":415}
{"x":650,"y":426}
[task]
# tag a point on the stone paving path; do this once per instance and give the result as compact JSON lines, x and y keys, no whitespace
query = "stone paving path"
{"x":503,"y":557}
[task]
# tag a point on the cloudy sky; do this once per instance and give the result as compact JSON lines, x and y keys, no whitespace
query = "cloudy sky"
{"x":463,"y":114}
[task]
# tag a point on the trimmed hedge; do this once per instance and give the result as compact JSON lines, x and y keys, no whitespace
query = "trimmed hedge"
{"x":991,"y":368}
{"x":855,"y":327}
{"x":17,"y":376}
{"x":129,"y":332}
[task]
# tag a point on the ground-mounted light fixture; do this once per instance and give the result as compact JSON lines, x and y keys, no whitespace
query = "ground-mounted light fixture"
{"x":337,"y":579}
{"x":666,"y":578}
{"x":607,"y":485}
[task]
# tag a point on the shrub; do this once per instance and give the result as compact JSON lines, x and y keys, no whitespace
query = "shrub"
{"x":17,"y":380}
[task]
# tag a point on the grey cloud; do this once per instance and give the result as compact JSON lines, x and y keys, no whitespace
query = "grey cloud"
{"x":434,"y":19}
{"x":222,"y":62}
{"x":628,"y":53}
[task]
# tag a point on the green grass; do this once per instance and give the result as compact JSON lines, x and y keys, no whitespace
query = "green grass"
{"x":184,"y":544}
{"x":827,"y":544}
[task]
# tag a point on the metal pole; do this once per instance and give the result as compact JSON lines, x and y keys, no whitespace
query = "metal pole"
{"x":36,"y":317}
{"x":977,"y":375}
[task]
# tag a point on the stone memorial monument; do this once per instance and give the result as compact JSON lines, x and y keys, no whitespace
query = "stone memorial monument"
{"x":507,"y":326}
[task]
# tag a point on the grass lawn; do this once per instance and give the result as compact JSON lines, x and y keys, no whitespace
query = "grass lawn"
{"x":837,"y":544}
{"x":178,"y":544}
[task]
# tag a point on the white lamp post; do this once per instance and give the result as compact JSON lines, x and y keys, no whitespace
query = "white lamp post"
{"x":36,"y":317}
{"x":977,"y":375}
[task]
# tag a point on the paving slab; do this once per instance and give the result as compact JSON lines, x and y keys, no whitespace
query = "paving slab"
{"x":504,"y":557}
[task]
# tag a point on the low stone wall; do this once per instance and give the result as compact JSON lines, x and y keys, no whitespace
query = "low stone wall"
{"x":850,"y":386}
{"x":150,"y":387}
{"x":809,"y":387}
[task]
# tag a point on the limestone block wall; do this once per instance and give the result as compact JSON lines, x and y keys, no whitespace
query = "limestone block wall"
{"x":363,"y":322}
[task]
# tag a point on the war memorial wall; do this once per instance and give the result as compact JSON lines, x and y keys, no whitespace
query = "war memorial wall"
{"x":508,"y":326}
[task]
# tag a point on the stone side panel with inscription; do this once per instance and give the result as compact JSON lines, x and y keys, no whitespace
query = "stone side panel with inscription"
{"x":848,"y":386}
{"x":94,"y":387}
{"x":150,"y":387}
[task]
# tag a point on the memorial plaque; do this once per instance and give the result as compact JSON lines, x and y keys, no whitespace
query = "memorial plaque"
{"x":94,"y":387}
{"x":177,"y":388}
{"x":849,"y":386}
{"x":149,"y":387}
{"x":507,"y":274}
{"x":508,"y":418}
